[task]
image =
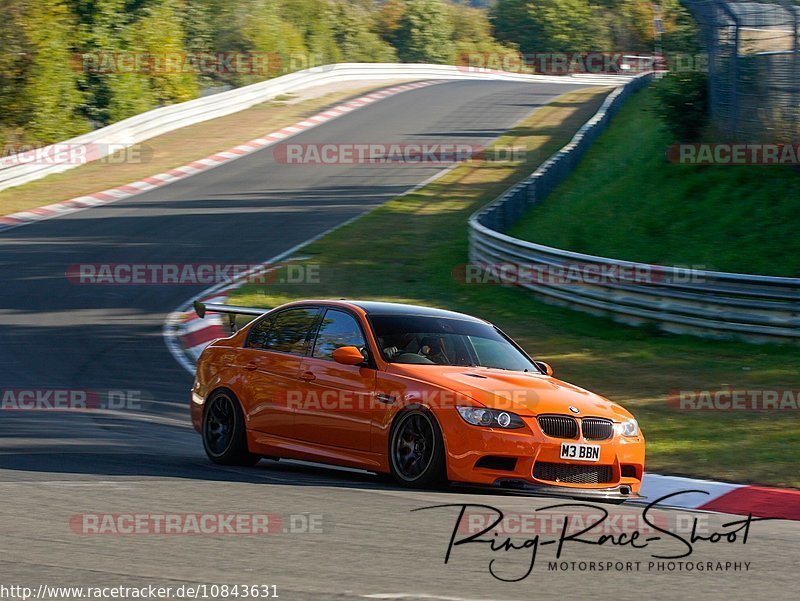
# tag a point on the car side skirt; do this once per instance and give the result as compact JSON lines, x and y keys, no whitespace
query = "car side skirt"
{"x":260,"y":443}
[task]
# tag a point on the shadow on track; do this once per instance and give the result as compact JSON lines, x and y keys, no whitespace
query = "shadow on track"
{"x":115,"y":448}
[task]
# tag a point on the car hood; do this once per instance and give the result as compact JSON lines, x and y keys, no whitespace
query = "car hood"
{"x":523,"y":393}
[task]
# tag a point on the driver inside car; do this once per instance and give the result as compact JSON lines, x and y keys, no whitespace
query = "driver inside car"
{"x":433,"y":349}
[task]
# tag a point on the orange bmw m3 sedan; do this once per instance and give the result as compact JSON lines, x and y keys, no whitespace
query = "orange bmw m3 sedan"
{"x":427,"y":395}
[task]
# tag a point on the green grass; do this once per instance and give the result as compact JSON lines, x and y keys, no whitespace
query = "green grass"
{"x":627,"y":201}
{"x":408,"y":249}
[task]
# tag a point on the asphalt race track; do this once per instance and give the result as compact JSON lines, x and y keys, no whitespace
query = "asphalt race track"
{"x":366,"y":542}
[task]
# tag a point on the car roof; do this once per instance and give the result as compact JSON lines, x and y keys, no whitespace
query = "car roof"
{"x":383,"y":308}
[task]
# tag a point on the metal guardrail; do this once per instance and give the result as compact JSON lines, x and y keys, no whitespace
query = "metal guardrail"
{"x":14,"y":171}
{"x":707,"y":303}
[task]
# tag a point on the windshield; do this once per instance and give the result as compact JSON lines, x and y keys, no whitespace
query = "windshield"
{"x":425,"y":340}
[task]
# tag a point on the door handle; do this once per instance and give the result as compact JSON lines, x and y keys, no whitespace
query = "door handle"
{"x":251,"y":366}
{"x":307,"y":376}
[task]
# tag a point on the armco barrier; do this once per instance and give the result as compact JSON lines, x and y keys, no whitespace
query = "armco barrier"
{"x":709,"y":303}
{"x":169,"y":118}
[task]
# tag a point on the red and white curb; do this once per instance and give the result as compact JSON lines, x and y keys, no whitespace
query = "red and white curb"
{"x":105,"y":197}
{"x":195,"y":333}
{"x":722,"y":497}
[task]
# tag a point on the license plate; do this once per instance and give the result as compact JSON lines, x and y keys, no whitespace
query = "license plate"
{"x":580,"y":452}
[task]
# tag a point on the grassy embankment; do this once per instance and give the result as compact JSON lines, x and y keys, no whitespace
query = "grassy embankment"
{"x":634,"y":204}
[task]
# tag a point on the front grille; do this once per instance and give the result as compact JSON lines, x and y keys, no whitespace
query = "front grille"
{"x":559,"y":426}
{"x":595,"y":428}
{"x":572,"y":474}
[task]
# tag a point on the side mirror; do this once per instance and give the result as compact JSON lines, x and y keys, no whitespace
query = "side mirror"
{"x":348,"y":355}
{"x":545,"y":367}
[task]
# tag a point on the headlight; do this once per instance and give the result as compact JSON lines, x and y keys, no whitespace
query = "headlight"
{"x":490,"y":418}
{"x":628,"y":428}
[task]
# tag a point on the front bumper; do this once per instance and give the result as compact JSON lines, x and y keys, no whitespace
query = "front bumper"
{"x":622,"y":492}
{"x":514,"y":454}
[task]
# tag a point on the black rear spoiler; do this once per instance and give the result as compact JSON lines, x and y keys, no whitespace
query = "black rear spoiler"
{"x":230,"y":310}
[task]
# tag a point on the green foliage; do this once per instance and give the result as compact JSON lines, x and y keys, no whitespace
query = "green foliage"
{"x":472,"y":33}
{"x":355,"y":39}
{"x":682,"y":36}
{"x":549,"y":25}
{"x":106,"y":33}
{"x":61,"y":73}
{"x":39,"y":86}
{"x":425,"y":33}
{"x":562,"y":25}
{"x":159,"y":32}
{"x":388,"y":18}
{"x":683,"y":104}
{"x":591,"y":25}
{"x":66,"y":64}
{"x":14,"y":61}
{"x":51,"y":79}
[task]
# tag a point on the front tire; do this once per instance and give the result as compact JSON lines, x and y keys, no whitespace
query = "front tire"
{"x":224,"y":435}
{"x":416,"y":450}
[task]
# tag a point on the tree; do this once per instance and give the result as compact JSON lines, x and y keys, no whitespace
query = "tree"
{"x":512,"y":23}
{"x":680,"y":30}
{"x":425,"y":33}
{"x":683,"y":105}
{"x":566,"y":25}
{"x":159,"y":33}
{"x":472,"y":32}
{"x":388,"y":20}
{"x":101,"y":40}
{"x":14,"y":61}
{"x":312,"y":18}
{"x":355,"y":40}
{"x":49,"y":97}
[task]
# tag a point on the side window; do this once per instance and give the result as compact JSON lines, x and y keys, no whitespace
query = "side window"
{"x":286,"y":332}
{"x":337,"y":329}
{"x":259,"y":334}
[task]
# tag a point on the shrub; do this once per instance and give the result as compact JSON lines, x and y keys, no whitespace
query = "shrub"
{"x":683,"y":104}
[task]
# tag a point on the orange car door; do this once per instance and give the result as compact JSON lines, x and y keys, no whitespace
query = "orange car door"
{"x":271,"y":364}
{"x":336,"y":408}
